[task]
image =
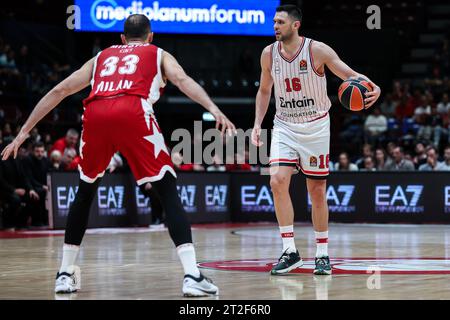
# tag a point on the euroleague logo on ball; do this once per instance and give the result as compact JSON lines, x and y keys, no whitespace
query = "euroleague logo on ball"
{"x":352,"y":93}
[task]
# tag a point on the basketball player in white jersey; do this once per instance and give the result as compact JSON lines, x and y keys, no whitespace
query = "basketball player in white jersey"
{"x":295,"y":66}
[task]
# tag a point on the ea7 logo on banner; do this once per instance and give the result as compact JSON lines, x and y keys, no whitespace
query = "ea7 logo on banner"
{"x":142,"y":202}
{"x":110,"y":201}
{"x":338,"y":198}
{"x":215,"y":198}
{"x":447,"y":199}
{"x":398,"y":199}
{"x":187,"y":196}
{"x":64,"y":197}
{"x":255,"y":199}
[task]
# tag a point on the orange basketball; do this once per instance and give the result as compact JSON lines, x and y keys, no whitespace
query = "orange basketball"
{"x":352,"y":93}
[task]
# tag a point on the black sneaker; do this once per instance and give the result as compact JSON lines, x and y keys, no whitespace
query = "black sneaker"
{"x":287,"y":262}
{"x":323,"y":266}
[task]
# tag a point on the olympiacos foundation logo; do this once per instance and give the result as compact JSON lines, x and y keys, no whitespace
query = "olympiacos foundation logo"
{"x":343,"y":265}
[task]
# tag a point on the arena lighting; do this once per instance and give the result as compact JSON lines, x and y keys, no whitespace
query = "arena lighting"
{"x":208,"y":117}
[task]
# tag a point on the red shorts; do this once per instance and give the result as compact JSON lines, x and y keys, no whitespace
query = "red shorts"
{"x":125,"y":124}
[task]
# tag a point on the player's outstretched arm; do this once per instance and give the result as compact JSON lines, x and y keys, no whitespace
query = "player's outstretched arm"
{"x":329,"y":57}
{"x":263,"y":95}
{"x":175,"y":73}
{"x":77,"y":81}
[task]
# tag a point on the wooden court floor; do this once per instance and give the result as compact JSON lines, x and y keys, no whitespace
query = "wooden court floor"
{"x":372,"y":262}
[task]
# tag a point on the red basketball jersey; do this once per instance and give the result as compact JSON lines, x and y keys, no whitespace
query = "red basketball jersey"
{"x":133,"y":69}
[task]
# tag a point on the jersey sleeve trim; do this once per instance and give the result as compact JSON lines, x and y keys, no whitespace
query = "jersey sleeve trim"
{"x":94,"y":69}
{"x":311,"y":59}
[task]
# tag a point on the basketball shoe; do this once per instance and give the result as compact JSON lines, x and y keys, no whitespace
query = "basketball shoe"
{"x":68,"y":282}
{"x":287,"y":262}
{"x":198,"y":287}
{"x":323,"y":266}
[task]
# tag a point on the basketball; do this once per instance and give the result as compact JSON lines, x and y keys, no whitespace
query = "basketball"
{"x":352,"y":93}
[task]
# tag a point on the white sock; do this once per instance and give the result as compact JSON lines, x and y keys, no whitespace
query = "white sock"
{"x":70,"y":253}
{"x":322,"y":243}
{"x":186,"y":252}
{"x":287,"y":235}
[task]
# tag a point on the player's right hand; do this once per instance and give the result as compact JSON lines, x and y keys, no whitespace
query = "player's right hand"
{"x":13,"y":147}
{"x":256,"y":136}
{"x":224,"y":124}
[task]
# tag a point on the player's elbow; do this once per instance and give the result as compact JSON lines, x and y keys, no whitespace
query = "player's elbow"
{"x":60,"y":91}
{"x":181,"y":80}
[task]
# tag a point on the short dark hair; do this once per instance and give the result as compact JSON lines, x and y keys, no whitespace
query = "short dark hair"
{"x":38,"y":144}
{"x":137,"y":26}
{"x":293,"y":11}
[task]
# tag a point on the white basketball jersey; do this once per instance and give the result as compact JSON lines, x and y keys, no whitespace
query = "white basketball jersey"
{"x":300,"y":91}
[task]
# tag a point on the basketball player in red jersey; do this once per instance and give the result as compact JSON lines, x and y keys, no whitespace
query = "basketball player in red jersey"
{"x":118,"y":115}
{"x":295,"y":66}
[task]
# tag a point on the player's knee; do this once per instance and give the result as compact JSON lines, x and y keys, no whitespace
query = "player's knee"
{"x":279,"y":184}
{"x":317,"y":190}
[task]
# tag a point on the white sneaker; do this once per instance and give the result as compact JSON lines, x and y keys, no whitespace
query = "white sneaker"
{"x":199,"y":287}
{"x":68,"y":282}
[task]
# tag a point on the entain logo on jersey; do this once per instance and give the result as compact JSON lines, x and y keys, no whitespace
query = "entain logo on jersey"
{"x":187,"y":196}
{"x":142,"y":202}
{"x":215,"y":198}
{"x":400,"y":200}
{"x":339,"y":198}
{"x":447,"y":199}
{"x":256,"y":199}
{"x":110,"y":200}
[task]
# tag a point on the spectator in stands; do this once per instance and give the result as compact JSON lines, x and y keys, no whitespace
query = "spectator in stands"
{"x":69,"y":141}
{"x":55,"y":160}
{"x":240,"y":163}
{"x":390,"y":152}
{"x":380,"y":159}
{"x":375,"y":126}
{"x":446,"y":162}
{"x":421,"y":155}
{"x":217,"y":165}
{"x":424,"y":108}
{"x":36,"y":166}
{"x":369,"y":164}
{"x":67,"y":146}
{"x":432,"y":163}
{"x":405,"y":108}
{"x":7,"y":133}
{"x":388,"y":106}
{"x":70,"y":160}
{"x":367,"y":151}
{"x":443,"y":107}
{"x":15,"y":192}
{"x":177,"y":159}
{"x":400,"y":163}
{"x":344,"y":163}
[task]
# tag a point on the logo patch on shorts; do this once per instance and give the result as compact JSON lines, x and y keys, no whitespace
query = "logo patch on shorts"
{"x":312,"y":161}
{"x":303,"y":65}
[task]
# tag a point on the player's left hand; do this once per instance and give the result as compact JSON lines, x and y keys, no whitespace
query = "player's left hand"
{"x":14,"y":146}
{"x":372,"y":96}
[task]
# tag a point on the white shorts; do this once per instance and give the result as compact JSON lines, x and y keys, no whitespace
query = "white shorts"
{"x":302,"y":145}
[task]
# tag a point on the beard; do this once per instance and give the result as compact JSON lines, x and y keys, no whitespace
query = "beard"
{"x":285,"y":37}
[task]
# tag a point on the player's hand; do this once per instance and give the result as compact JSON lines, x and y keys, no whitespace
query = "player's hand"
{"x":224,"y":124}
{"x":33,"y":195}
{"x":372,"y":96}
{"x":256,"y":136}
{"x":14,"y":146}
